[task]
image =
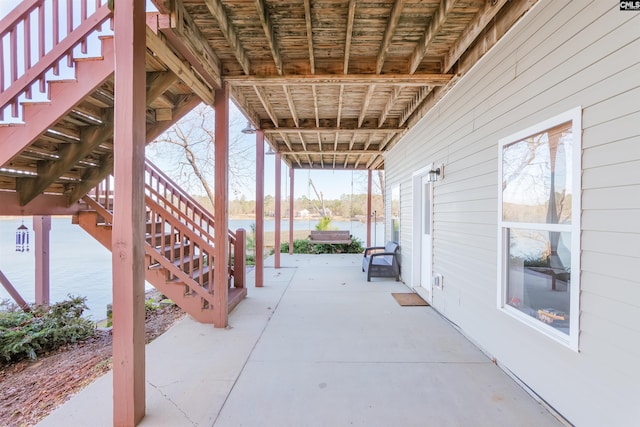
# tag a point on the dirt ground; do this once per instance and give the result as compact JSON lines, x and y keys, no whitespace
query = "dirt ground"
{"x":30,"y":390}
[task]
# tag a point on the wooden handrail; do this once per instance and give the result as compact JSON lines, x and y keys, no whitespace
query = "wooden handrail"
{"x":17,"y":26}
{"x":198,"y":210}
{"x":170,"y":207}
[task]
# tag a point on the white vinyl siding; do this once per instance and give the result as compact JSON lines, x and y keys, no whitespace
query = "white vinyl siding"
{"x":561,"y":55}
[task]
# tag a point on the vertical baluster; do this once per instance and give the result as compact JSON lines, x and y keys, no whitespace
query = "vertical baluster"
{"x":69,"y":30}
{"x":27,"y":43}
{"x":13,"y":49}
{"x":56,"y":22}
{"x":201,"y":277}
{"x":56,"y":33}
{"x":69,"y":17}
{"x":2,"y":65}
{"x":27,"y":51}
{"x":83,"y":17}
{"x":41,"y":31}
{"x":107,"y":195}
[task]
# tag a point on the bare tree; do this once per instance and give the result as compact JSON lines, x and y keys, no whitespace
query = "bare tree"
{"x":187,"y":149}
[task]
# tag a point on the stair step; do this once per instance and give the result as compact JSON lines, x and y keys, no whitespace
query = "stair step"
{"x":196,"y":274}
{"x":156,"y":239}
{"x":159,"y":225}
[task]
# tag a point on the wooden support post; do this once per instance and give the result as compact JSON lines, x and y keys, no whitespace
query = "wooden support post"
{"x":239,"y":257}
{"x":41,"y":229}
{"x":220,"y":211}
{"x":129,"y":214}
{"x":291,"y":212}
{"x":276,"y":256}
{"x":259,"y":209}
{"x":369,"y":182}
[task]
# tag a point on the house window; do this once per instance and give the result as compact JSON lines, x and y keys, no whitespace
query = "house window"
{"x":539,"y":222}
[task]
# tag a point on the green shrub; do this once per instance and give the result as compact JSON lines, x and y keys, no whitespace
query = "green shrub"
{"x":324,"y":224}
{"x":304,"y":246}
{"x":42,"y":328}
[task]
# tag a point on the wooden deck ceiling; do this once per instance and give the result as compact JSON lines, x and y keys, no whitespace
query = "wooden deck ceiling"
{"x":336,"y":83}
{"x":333,"y":84}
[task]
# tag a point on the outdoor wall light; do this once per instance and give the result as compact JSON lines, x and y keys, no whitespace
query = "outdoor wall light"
{"x":249,"y":129}
{"x":436,"y":174}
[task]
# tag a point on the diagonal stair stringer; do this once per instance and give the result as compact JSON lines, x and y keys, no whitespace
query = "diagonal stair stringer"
{"x":91,"y":73}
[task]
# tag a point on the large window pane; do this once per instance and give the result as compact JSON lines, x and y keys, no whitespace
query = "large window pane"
{"x":536,"y":186}
{"x":539,"y":275}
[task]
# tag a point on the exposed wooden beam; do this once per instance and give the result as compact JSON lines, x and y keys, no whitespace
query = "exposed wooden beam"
{"x":292,"y":105}
{"x":338,"y":79}
{"x":266,"y":104}
{"x":243,"y":105}
{"x":352,"y":142}
{"x":302,"y":141}
{"x":368,"y":143}
{"x":389,"y":31}
{"x":270,"y":34}
{"x":186,"y":104}
{"x":287,"y":141}
{"x":90,"y":138}
{"x":376,"y":164}
{"x":473,"y":30}
{"x":365,"y":104}
{"x":346,"y":124}
{"x":70,"y":154}
{"x":496,"y":28}
{"x":158,"y":83}
{"x":355,"y":165}
{"x":372,"y":159}
{"x":307,"y":18}
{"x":340,"y":101}
{"x":414,"y":104}
{"x":434,"y":26}
{"x":229,"y":31}
{"x":328,"y":152}
{"x":349,"y":35}
{"x":93,"y":176}
{"x":186,"y":37}
{"x":315,"y":105}
{"x":390,"y":104}
{"x":184,"y":73}
{"x":333,"y":129}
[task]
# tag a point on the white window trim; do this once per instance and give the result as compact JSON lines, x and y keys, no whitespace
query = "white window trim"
{"x":572,"y":340}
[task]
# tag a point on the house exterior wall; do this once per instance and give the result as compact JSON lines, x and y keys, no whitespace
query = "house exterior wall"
{"x":561,"y":55}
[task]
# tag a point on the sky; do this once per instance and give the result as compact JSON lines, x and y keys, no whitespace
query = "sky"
{"x":331,"y":183}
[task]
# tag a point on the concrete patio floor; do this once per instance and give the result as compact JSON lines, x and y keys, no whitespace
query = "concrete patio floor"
{"x":318,"y":346}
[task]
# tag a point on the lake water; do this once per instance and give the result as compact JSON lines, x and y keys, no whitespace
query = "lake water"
{"x":81,"y":266}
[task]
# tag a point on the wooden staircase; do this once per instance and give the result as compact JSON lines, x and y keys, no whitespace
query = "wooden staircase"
{"x":179,"y":244}
{"x":56,"y":139}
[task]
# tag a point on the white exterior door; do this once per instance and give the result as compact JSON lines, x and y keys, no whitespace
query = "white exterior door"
{"x":422,"y":242}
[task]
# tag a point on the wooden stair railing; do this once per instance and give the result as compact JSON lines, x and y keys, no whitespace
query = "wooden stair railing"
{"x":179,"y":245}
{"x":63,"y":29}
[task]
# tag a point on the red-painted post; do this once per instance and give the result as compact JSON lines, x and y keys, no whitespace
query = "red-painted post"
{"x":369,"y":186}
{"x":239,"y":257}
{"x":129,"y":214}
{"x":291,"y":212}
{"x":259,"y":209}
{"x":41,"y":229}
{"x":276,"y":244}
{"x":220,"y":211}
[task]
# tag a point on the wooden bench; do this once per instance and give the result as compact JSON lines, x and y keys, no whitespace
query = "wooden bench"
{"x":382,"y":261}
{"x":331,"y":237}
